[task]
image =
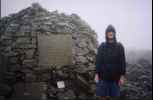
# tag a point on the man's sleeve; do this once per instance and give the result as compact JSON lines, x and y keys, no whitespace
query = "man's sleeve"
{"x":99,"y":60}
{"x":122,"y":60}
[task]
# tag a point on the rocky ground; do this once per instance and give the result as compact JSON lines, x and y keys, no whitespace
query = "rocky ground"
{"x":139,"y":84}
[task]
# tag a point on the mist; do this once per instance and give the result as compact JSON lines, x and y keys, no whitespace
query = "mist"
{"x":131,"y":18}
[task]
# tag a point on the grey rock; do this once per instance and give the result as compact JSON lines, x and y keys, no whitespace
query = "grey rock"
{"x":4,"y":89}
{"x":81,"y":59}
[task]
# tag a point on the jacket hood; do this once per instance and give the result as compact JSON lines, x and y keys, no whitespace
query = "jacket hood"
{"x":110,"y":28}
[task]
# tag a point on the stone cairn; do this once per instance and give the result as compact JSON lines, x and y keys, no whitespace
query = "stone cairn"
{"x":19,"y":55}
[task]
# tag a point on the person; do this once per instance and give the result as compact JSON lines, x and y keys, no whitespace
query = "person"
{"x":110,"y":66}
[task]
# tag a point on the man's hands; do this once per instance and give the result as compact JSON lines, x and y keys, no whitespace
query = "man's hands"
{"x":96,"y":78}
{"x":122,"y":80}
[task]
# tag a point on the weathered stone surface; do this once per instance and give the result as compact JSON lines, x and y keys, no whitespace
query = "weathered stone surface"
{"x":81,"y":59}
{"x":35,"y":90}
{"x":21,"y":36}
{"x":4,"y":90}
{"x":30,"y":53}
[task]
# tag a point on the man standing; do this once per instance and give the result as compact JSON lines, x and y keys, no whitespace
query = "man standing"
{"x":110,"y":66}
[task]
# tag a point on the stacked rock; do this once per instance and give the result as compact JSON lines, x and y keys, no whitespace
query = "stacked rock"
{"x":18,"y":41}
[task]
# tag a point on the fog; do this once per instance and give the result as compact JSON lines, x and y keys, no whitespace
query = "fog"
{"x":132,"y":18}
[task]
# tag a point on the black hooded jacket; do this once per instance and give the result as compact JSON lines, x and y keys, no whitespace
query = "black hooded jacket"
{"x":110,"y":60}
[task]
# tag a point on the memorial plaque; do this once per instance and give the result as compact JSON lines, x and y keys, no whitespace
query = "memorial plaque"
{"x":55,"y":50}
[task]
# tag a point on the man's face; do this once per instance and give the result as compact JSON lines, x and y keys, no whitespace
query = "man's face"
{"x":110,"y":35}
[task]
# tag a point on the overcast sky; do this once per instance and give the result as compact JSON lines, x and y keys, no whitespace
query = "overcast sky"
{"x":132,"y":18}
